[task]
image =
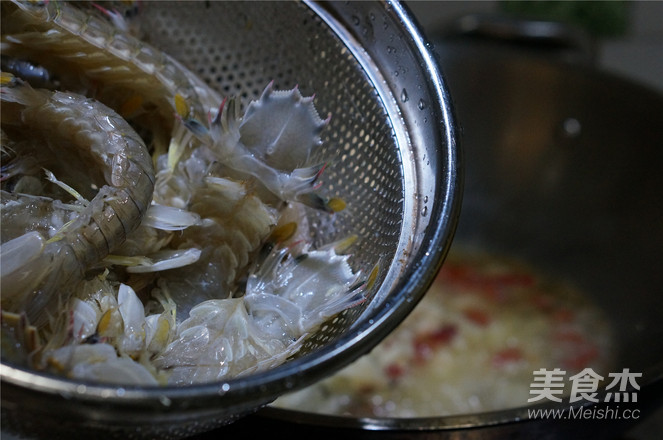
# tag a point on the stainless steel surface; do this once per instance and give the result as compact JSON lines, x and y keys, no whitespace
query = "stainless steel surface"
{"x":394,"y":160}
{"x":563,"y":170}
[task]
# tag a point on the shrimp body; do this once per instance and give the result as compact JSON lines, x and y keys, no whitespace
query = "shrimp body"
{"x":100,"y":363}
{"x":107,"y":330}
{"x":82,"y":129}
{"x":287,"y":297}
{"x":231,"y":223}
{"x":234,"y":224}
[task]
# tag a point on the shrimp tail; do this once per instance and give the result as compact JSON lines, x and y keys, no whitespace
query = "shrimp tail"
{"x":272,"y":142}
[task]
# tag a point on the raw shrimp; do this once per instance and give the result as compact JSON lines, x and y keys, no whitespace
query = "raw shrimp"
{"x":218,"y":236}
{"x":105,"y":335}
{"x":234,"y":224}
{"x":83,"y":134}
{"x":229,"y":223}
{"x":287,"y":297}
{"x":271,"y":141}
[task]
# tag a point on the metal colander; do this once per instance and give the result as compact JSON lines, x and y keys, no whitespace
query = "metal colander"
{"x":392,"y":152}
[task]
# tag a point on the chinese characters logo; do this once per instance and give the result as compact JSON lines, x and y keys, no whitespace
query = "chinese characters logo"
{"x":551,"y":384}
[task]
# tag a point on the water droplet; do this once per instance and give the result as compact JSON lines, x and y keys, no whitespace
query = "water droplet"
{"x":395,"y":72}
{"x":425,"y":199}
{"x":81,"y":389}
{"x":120,"y":392}
{"x":391,"y":49}
{"x":424,"y":211}
{"x":422,"y":104}
{"x":404,"y":96}
{"x":571,"y":127}
{"x":165,"y":401}
{"x":356,"y":20}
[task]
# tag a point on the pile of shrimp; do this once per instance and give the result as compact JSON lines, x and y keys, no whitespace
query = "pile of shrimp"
{"x":152,"y":232}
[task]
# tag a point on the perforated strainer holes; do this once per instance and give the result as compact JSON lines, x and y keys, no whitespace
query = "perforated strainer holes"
{"x":329,"y":331}
{"x":242,"y":50}
{"x":366,"y":172}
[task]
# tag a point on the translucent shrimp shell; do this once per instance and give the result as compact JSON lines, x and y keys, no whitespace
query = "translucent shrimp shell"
{"x":73,"y":126}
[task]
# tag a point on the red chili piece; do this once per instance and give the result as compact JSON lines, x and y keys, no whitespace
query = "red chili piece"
{"x":507,"y":356}
{"x":477,"y":316}
{"x":426,"y":343}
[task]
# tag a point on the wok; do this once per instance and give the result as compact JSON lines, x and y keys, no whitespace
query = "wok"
{"x":563,"y":169}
